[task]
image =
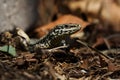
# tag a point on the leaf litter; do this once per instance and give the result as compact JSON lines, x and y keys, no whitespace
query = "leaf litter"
{"x":74,"y":62}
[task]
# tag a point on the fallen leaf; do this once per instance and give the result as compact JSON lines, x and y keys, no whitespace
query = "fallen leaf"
{"x":105,"y":10}
{"x":42,"y":30}
{"x":99,"y":41}
{"x":113,"y":66}
{"x":8,"y":49}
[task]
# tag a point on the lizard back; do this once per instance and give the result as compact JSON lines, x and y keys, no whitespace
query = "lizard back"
{"x":54,"y":37}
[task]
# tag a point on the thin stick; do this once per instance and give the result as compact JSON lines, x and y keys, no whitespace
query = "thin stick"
{"x":100,"y":53}
{"x":57,"y":49}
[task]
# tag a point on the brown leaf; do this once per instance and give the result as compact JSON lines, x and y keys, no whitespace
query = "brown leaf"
{"x":20,"y":61}
{"x":106,"y":10}
{"x":42,"y":30}
{"x":85,"y":64}
{"x":99,"y":41}
{"x":113,"y":66}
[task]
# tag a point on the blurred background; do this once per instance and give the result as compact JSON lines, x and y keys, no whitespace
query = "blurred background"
{"x":29,"y":14}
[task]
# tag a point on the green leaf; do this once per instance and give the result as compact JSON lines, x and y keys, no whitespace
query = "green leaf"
{"x":8,"y":49}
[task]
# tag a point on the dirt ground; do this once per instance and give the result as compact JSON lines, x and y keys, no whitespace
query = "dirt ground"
{"x":93,"y":53}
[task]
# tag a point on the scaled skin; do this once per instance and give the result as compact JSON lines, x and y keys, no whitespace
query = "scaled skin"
{"x":56,"y":36}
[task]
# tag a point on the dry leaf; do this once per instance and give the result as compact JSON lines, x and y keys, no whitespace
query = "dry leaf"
{"x":106,"y":10}
{"x":42,"y":30}
{"x":113,"y":66}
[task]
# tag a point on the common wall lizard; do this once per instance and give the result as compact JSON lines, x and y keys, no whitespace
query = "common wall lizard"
{"x":56,"y":36}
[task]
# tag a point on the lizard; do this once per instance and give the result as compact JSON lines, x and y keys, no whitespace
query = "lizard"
{"x":56,"y":36}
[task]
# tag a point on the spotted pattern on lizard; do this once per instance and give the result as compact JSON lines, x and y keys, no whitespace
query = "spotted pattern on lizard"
{"x":56,"y":35}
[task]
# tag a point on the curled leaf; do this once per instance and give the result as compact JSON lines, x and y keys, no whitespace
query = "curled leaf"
{"x":42,"y":30}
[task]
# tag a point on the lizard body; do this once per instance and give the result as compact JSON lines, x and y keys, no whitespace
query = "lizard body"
{"x":56,"y":35}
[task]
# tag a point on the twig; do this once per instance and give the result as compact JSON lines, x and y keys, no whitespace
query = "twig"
{"x":56,"y":49}
{"x":107,"y":43}
{"x":53,"y":50}
{"x":111,"y":50}
{"x":100,"y":53}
